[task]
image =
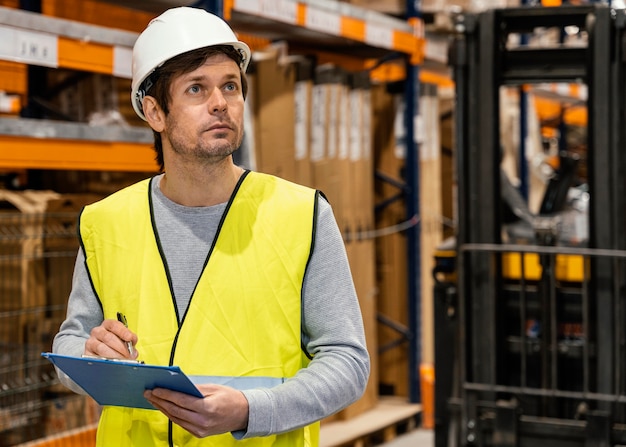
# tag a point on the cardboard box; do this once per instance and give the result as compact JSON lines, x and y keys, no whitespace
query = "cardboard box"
{"x":466,"y":5}
{"x":361,"y":254}
{"x":344,"y":162}
{"x":273,"y":105}
{"x":60,"y":246}
{"x":431,"y":211}
{"x":61,"y":220}
{"x":38,"y":246}
{"x":391,"y":249}
{"x":20,"y":409}
{"x":22,"y":273}
{"x":67,"y":411}
{"x":304,"y":68}
{"x":357,"y":205}
{"x":22,"y":310}
{"x":393,"y":7}
{"x":362,"y":172}
{"x":320,"y":123}
{"x":329,"y":138}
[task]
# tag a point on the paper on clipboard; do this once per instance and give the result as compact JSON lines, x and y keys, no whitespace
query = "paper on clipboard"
{"x":121,"y":383}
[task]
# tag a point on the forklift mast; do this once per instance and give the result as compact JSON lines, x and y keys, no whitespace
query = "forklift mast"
{"x":530,"y":337}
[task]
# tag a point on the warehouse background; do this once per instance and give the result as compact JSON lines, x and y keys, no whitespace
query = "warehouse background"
{"x":330,"y":113}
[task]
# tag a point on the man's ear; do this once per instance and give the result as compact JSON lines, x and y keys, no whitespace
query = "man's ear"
{"x":153,"y":113}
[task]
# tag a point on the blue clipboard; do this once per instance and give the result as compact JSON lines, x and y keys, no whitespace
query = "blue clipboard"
{"x":121,"y":383}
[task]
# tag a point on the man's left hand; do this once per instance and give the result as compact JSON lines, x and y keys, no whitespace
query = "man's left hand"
{"x":222,"y":410}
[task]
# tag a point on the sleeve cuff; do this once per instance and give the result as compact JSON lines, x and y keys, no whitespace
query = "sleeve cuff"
{"x":260,"y":415}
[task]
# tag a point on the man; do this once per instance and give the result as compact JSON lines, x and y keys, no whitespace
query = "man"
{"x":235,"y":276}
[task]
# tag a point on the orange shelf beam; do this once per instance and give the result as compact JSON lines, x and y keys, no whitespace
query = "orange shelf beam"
{"x":406,"y":39}
{"x":86,"y":56}
{"x":45,"y":153}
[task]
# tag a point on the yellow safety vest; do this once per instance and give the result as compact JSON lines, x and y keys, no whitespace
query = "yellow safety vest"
{"x":243,"y":320}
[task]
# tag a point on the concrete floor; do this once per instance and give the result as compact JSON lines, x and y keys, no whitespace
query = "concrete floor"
{"x":415,"y":438}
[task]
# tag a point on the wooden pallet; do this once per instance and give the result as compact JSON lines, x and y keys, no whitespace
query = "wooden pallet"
{"x":391,"y":417}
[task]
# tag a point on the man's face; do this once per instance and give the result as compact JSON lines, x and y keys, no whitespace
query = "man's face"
{"x":205,"y":120}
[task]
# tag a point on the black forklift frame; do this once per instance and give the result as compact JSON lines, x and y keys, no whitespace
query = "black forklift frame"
{"x":476,"y":400}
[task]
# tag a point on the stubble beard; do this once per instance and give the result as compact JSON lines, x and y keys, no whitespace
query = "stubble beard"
{"x":203,"y":151}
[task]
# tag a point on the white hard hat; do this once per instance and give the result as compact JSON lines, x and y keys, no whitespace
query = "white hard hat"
{"x":177,"y":31}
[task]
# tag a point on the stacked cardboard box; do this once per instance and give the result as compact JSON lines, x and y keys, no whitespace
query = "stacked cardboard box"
{"x":398,"y":7}
{"x":312,"y":124}
{"x":20,"y":410}
{"x":272,"y":79}
{"x":391,"y":247}
{"x":65,"y":411}
{"x":37,"y":233}
{"x":22,"y":306}
{"x":357,"y":217}
{"x":328,"y":94}
{"x":60,"y":248}
{"x":37,"y":252}
{"x":393,"y":7}
{"x":21,"y":266}
{"x":467,"y":5}
{"x":322,"y":127}
{"x":431,"y":167}
{"x":355,"y":128}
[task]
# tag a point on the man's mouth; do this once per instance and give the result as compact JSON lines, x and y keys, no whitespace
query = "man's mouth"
{"x":221,"y":126}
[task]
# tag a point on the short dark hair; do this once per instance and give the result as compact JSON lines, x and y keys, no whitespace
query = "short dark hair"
{"x":187,"y":62}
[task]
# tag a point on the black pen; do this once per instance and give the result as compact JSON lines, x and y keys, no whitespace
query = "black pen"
{"x":122,"y":319}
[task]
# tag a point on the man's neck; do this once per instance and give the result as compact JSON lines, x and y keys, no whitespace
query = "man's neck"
{"x":199,"y":186}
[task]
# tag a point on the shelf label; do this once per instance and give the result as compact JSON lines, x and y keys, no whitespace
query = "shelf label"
{"x":30,"y":47}
{"x":280,"y":10}
{"x":249,"y":6}
{"x":379,"y":36}
{"x":323,"y":21}
{"x":284,"y":11}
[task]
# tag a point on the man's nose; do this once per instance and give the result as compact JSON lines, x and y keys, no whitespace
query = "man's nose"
{"x":217,"y":102}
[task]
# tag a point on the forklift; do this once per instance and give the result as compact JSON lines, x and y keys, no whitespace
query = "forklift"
{"x":530,"y":322}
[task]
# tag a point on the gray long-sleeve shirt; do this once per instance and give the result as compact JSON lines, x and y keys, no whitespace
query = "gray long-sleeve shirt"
{"x":331,"y":317}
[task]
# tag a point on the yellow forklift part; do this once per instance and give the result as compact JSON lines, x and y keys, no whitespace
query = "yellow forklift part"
{"x":568,"y":268}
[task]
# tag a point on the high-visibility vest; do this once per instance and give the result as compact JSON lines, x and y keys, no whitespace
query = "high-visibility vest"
{"x":243,"y":322}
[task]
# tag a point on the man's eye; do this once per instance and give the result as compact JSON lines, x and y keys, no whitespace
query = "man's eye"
{"x":231,"y":87}
{"x":194,"y":89}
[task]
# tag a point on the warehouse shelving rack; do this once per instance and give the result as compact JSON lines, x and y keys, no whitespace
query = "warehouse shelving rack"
{"x":42,"y":41}
{"x":38,"y":40}
{"x":53,"y":42}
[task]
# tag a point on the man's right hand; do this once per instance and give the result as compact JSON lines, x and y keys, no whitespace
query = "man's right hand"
{"x":109,"y":340}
